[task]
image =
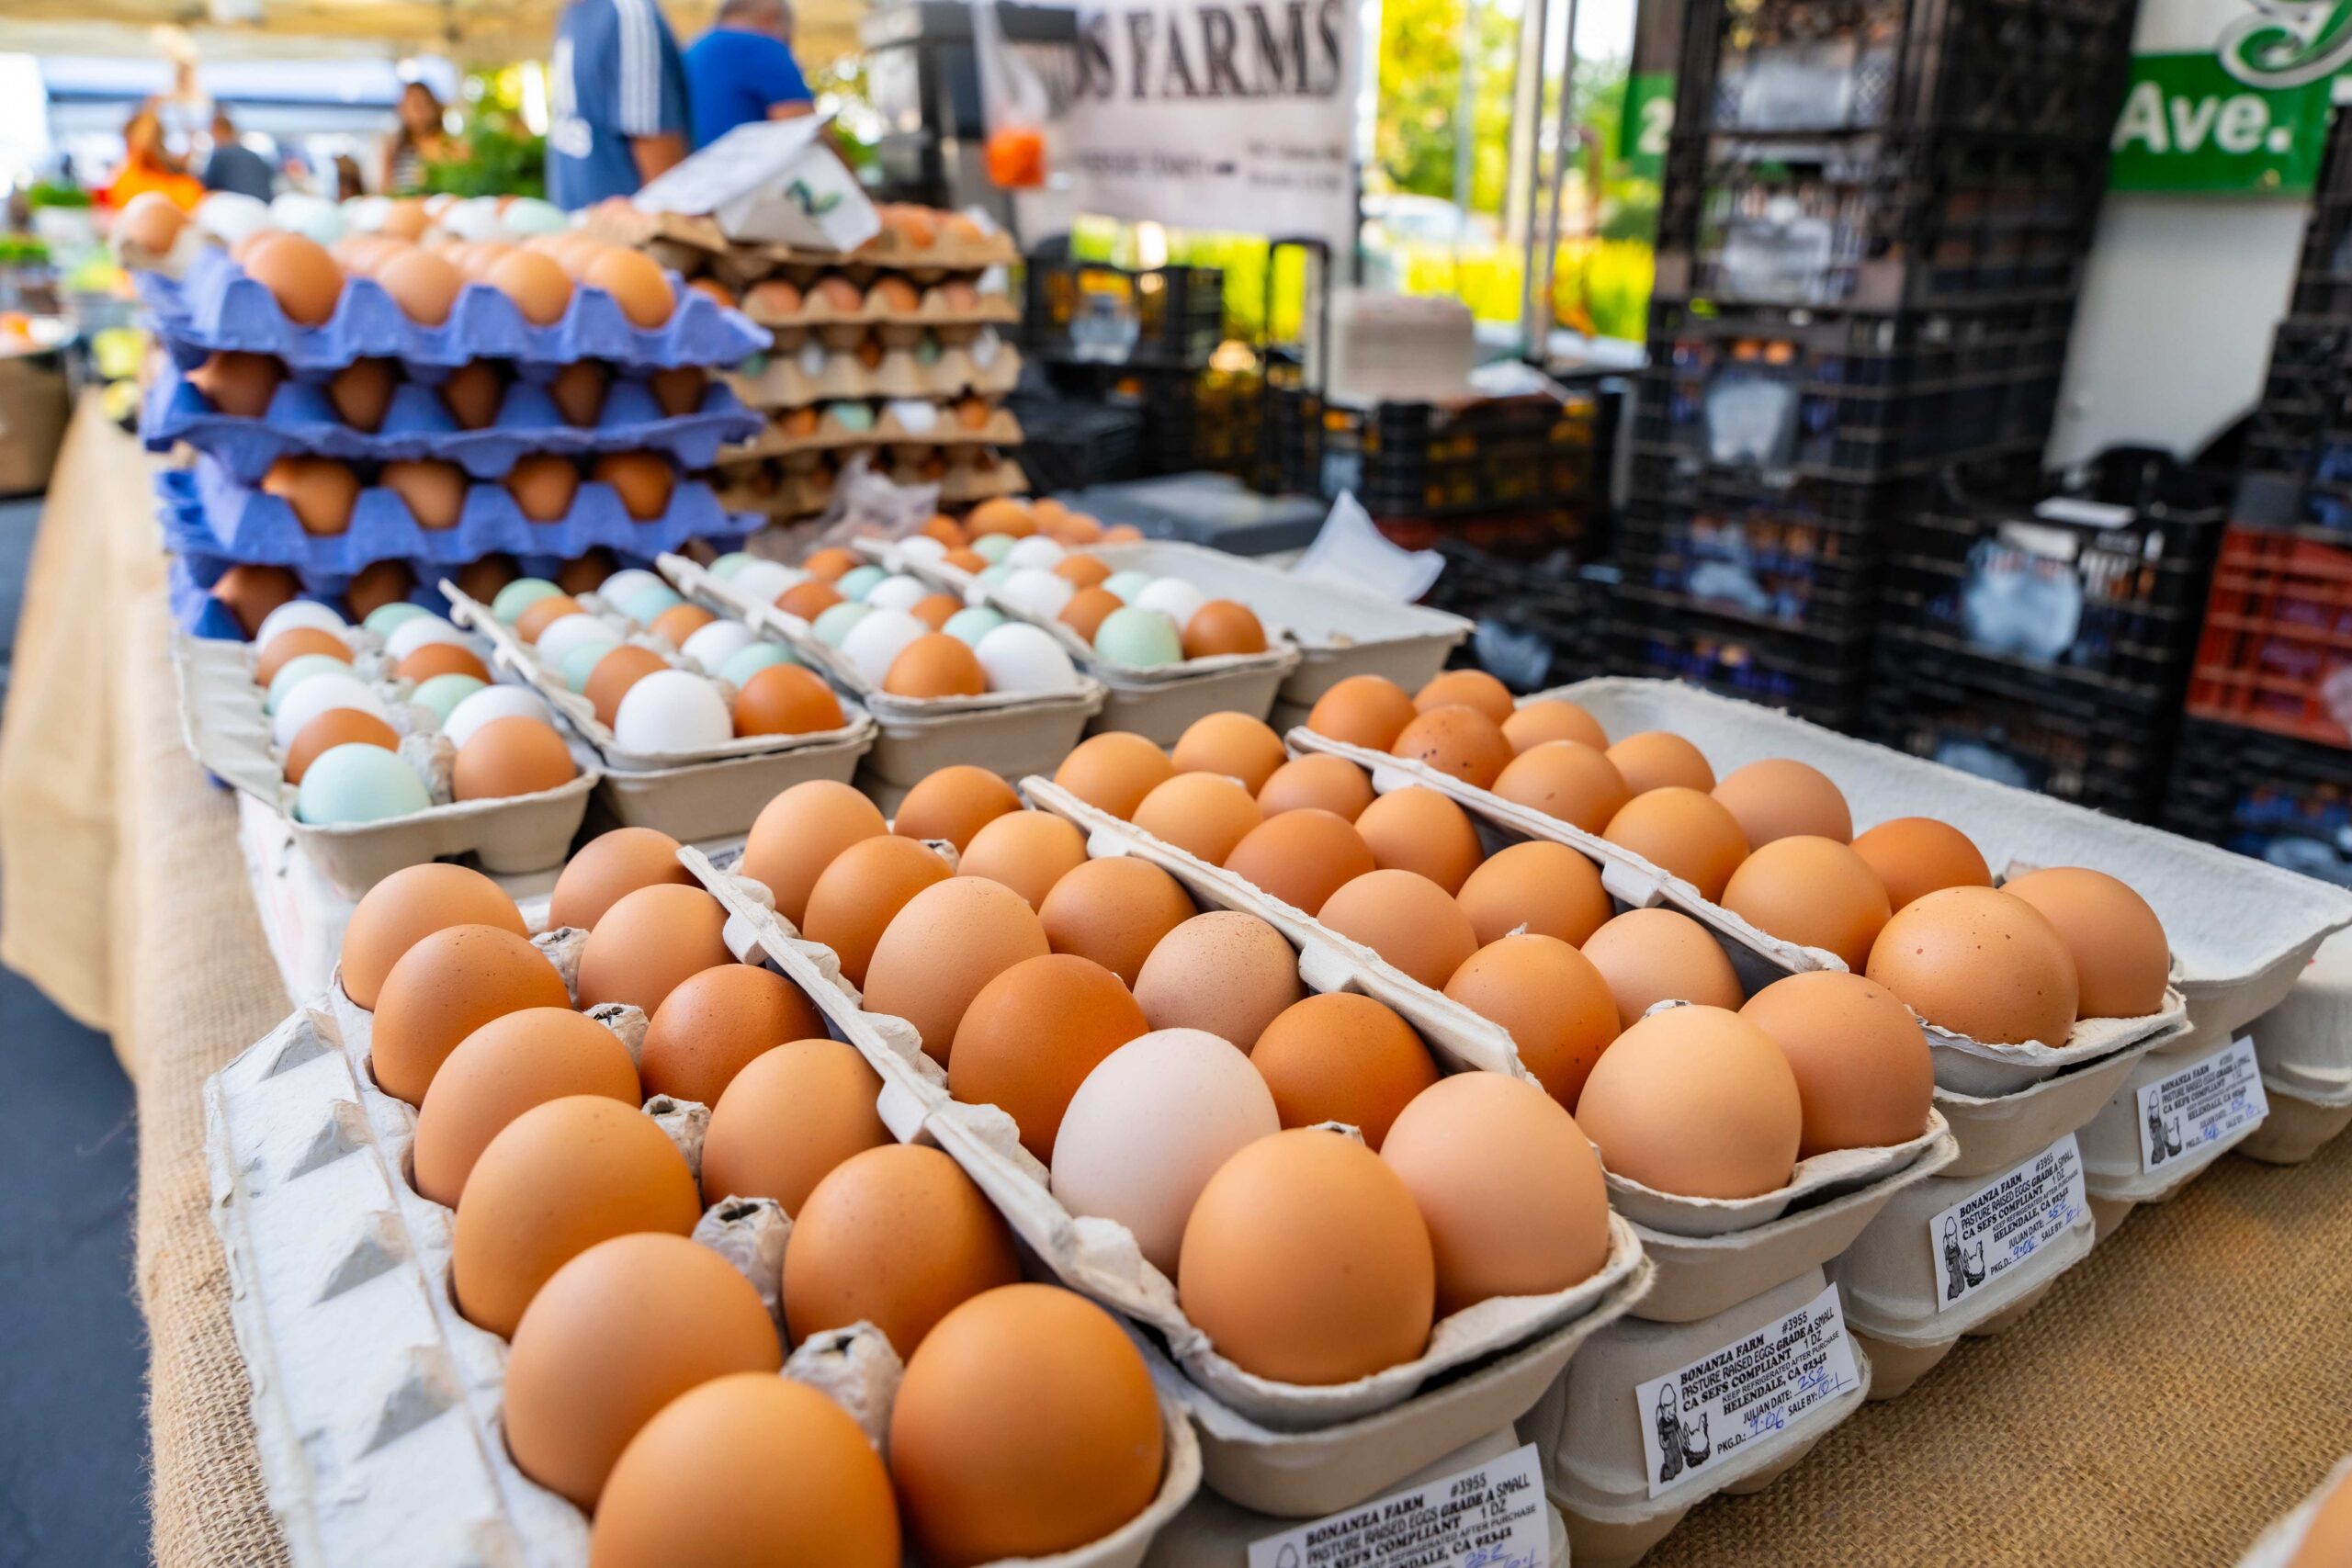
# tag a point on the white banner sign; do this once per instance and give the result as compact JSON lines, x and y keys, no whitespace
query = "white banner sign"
{"x":1204,"y":115}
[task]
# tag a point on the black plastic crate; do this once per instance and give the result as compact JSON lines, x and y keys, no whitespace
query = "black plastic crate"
{"x":1094,"y":313}
{"x":2323,"y":273}
{"x":1425,"y":461}
{"x":2066,"y":737}
{"x":2105,"y":580}
{"x":2299,"y":440}
{"x":1803,"y":556}
{"x":2285,"y":801}
{"x":1814,"y":678}
{"x":1070,"y":443}
{"x":1536,"y":609}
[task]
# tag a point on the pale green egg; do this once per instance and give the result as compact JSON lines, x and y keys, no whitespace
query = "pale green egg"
{"x":358,"y":783}
{"x":746,"y":662}
{"x":444,"y":692}
{"x":997,"y":576}
{"x":859,"y":581}
{"x":973,"y":623}
{"x":1125,"y":585}
{"x":383,"y":618}
{"x":733,"y":561}
{"x":993,"y":548}
{"x":520,"y":595}
{"x":647,"y":603}
{"x":1139,"y":638}
{"x":835,"y":622}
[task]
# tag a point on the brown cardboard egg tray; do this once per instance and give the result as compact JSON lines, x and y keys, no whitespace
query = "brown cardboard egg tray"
{"x":226,"y":731}
{"x":1968,"y":1066}
{"x":1276,"y":1448}
{"x":341,"y":1301}
{"x":1010,"y":734}
{"x":704,"y":794}
{"x":993,"y":308}
{"x":2278,"y":1547}
{"x":891,"y":428}
{"x":814,"y":372}
{"x":2305,"y":1047}
{"x":695,"y":244}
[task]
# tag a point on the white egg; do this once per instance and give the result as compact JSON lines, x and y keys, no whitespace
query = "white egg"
{"x":711,"y":646}
{"x":1035,"y":589}
{"x":900,"y":592}
{"x":317,"y":695}
{"x":313,"y":218}
{"x":476,"y":219}
{"x":1021,"y":657}
{"x":765,"y":580}
{"x":879,"y":638}
{"x":298,"y":613}
{"x":492,"y":701}
{"x":1034,"y":550}
{"x":229,"y":215}
{"x":1173,"y":597}
{"x":672,"y":710}
{"x":409,"y":636}
{"x":559,"y":637}
{"x":922,"y":547}
{"x":626,"y":584}
{"x":366,"y":214}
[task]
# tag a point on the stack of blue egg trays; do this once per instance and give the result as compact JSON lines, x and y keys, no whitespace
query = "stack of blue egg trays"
{"x":214,"y":515}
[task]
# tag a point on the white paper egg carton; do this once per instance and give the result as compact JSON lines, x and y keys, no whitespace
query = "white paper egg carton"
{"x":2305,"y":1047}
{"x":1009,"y":733}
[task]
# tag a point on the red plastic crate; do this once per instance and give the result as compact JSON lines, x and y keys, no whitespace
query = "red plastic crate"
{"x":2277,"y":649}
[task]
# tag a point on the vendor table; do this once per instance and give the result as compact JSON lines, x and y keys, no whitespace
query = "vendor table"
{"x":2172,"y":1394}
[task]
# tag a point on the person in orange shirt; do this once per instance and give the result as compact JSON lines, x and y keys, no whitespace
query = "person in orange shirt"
{"x":149,"y":164}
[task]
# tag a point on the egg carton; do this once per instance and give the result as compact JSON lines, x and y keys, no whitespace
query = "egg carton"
{"x":302,"y":420}
{"x":2304,"y":1046}
{"x":2279,"y":1546}
{"x":791,"y":377}
{"x":2241,"y":930}
{"x":699,"y":240}
{"x":189,"y":582}
{"x":2116,"y":1174}
{"x":708,"y":792}
{"x":1589,"y":1426}
{"x":991,"y":307}
{"x":377,"y":1404}
{"x":1268,"y":1440}
{"x":1996,"y":1132}
{"x":1010,"y":733}
{"x":215,"y":308}
{"x":225,"y":730}
{"x":904,"y":422}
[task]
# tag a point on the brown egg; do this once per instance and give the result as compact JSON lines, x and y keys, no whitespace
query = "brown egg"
{"x":1655,"y":760}
{"x":775,"y":300}
{"x":784,"y":699}
{"x":1813,"y":891}
{"x":1306,"y":1261}
{"x":1207,"y":814}
{"x":637,"y":284}
{"x":714,"y":1023}
{"x":809,"y":599}
{"x":938,"y":951}
{"x":1083,"y":571}
{"x":797,"y":835}
{"x":644,"y":482}
{"x":472,"y":393}
{"x":1325,"y":783}
{"x":422,"y":285}
{"x":680,"y":622}
{"x":650,"y":942}
{"x":1507,"y":1185}
{"x":1548,"y":889}
{"x":1567,"y":779}
{"x":441,"y":658}
{"x":578,"y":392}
{"x":945,"y":529}
{"x":409,"y":906}
{"x":1222,"y":627}
{"x":1115,"y":912}
{"x":935,"y":665}
{"x":480,"y":579}
{"x":536,"y":286}
{"x":615,"y":1334}
{"x":751,"y":1468}
{"x":1917,"y":855}
{"x":614,"y":674}
{"x":377,"y":585}
{"x":250,"y":592}
{"x":503,"y":1069}
{"x":1469,"y":689}
{"x":1086,"y":610}
{"x":1225,"y":972}
{"x":1002,"y":516}
{"x":1553,"y":1001}
{"x":541,"y":613}
{"x":2327,"y":1538}
{"x":1683,"y":832}
{"x":967,"y":560}
{"x":237,"y":383}
{"x":678,"y":391}
{"x":1649,"y":956}
{"x":2121,"y":960}
{"x":1457,"y":740}
{"x":831,"y":563}
{"x":555,"y":1181}
{"x":935,"y":610}
{"x":1113,"y":772}
{"x":319,"y":490}
{"x":1780,"y":797}
{"x":1420,"y":830}
{"x":1342,"y":1057}
{"x":299,"y":275}
{"x":292,"y":644}
{"x":435,"y":491}
{"x":447,"y":985}
{"x":1405,"y":917}
{"x":241,"y":249}
{"x":1531,"y":724}
{"x":543,"y":485}
{"x":1302,"y":858}
{"x":609,"y":867}
{"x":793,"y":1114}
{"x":1697,"y":1101}
{"x":150,"y":221}
{"x":406,"y":219}
{"x":954,"y":802}
{"x":854,"y":900}
{"x":1033,"y":1034}
{"x":1025,"y":851}
{"x":1981,"y":963}
{"x":336,"y":727}
{"x":897,"y":1236}
{"x":1864,"y":1074}
{"x":1233,"y":744}
{"x":586,"y":574}
{"x":893,"y":297}
{"x":714,"y":290}
{"x":1369,"y":711}
{"x":514,"y":756}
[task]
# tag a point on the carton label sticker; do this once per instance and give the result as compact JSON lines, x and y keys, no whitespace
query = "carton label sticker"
{"x":1489,"y":1516}
{"x":2208,"y":1100}
{"x":2006,"y":1221}
{"x":1696,"y":1419}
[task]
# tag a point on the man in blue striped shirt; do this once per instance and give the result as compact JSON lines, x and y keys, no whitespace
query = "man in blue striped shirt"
{"x":620,"y":101}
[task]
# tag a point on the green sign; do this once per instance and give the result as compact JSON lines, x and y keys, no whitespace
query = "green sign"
{"x":2188,"y":125}
{"x":1649,"y":121}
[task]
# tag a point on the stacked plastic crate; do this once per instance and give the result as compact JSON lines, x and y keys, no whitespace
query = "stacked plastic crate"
{"x":1875,"y":213}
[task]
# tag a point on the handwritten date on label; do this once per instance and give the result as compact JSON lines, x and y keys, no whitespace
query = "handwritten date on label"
{"x":2208,"y":1102}
{"x":1697,"y":1419}
{"x":2006,"y":1222}
{"x":1490,"y":1517}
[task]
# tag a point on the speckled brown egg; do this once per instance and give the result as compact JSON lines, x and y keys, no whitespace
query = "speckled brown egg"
{"x":1467,"y":688}
{"x":1027,"y":851}
{"x":292,"y":644}
{"x":1031,"y":1035}
{"x":320,"y":492}
{"x":1302,"y":858}
{"x":714,"y":1023}
{"x":1916,"y":856}
{"x":609,"y":867}
{"x":1325,"y":782}
{"x":1655,"y":955}
{"x":336,"y":727}
{"x":897,"y":1236}
{"x":1114,"y":911}
{"x":1981,"y":963}
{"x":1813,"y":891}
{"x":644,"y":482}
{"x":1457,"y":740}
{"x":1552,"y":1000}
{"x":543,"y":486}
{"x":433,"y":490}
{"x":1225,"y":972}
{"x":1531,"y":724}
{"x":1233,"y":744}
{"x":1345,"y":1057}
{"x":935,"y":665}
{"x":784,"y":699}
{"x":1657,"y":760}
{"x":954,"y":802}
{"x":1207,"y":814}
{"x":1113,"y":772}
{"x":1222,"y":627}
{"x":1548,"y":889}
{"x":614,"y":674}
{"x":1405,"y":917}
{"x":407,"y":906}
{"x":1420,"y":830}
{"x":1369,"y":711}
{"x":1864,"y":1078}
{"x":508,"y":756}
{"x":797,"y":835}
{"x":648,"y":943}
{"x":789,"y":1116}
{"x":441,"y":658}
{"x":854,"y":898}
{"x":448,"y":984}
{"x":1567,"y":779}
{"x":503,"y":1069}
{"x":939,"y":951}
{"x":2117,"y":944}
{"x":1780,"y":797}
{"x":1684,"y":832}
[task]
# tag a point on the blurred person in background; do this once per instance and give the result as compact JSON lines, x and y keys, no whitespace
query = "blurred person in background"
{"x":348,"y":181}
{"x":424,"y":138}
{"x":233,"y":166}
{"x":619,"y":91}
{"x":149,"y":164}
{"x":743,"y":70}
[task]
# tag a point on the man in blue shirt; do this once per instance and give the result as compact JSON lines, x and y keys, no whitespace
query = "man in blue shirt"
{"x":743,"y":69}
{"x":620,"y":101}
